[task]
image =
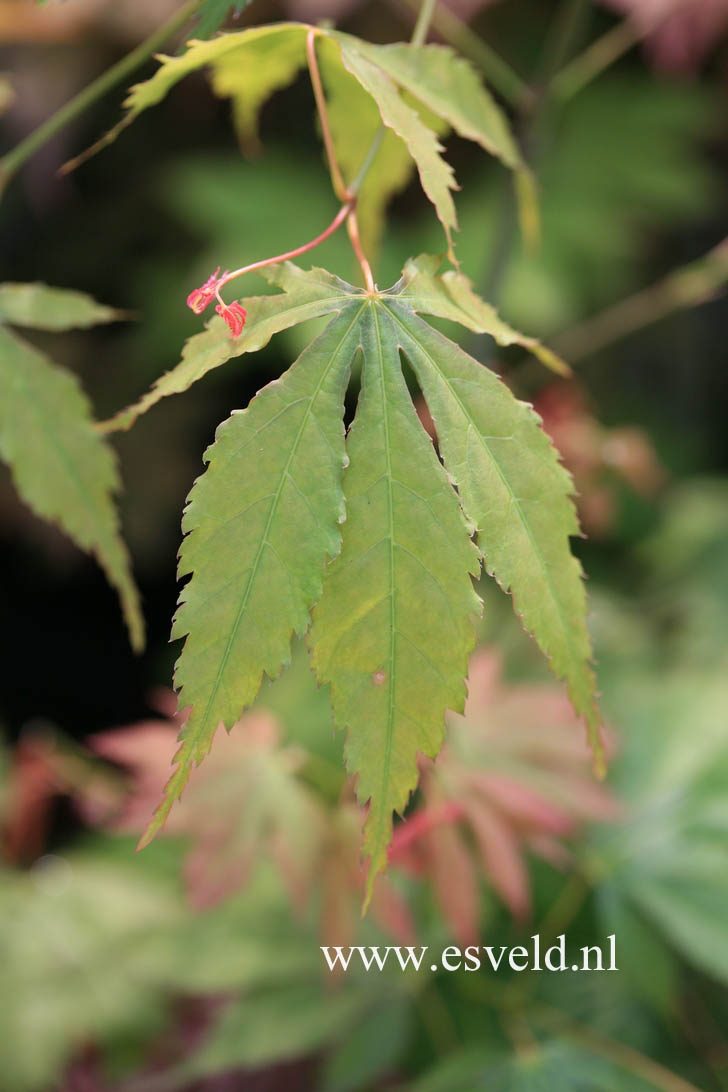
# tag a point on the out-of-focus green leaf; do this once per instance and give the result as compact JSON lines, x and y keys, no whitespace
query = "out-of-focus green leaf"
{"x":353,"y":1065}
{"x":76,"y":961}
{"x":687,"y":559}
{"x":44,"y":308}
{"x":277,"y":1025}
{"x":266,"y":63}
{"x":213,"y":14}
{"x":667,"y":859}
{"x":61,"y":467}
{"x":544,"y":1067}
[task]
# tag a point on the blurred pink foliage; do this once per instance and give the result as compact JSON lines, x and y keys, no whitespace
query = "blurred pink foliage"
{"x":597,"y":456}
{"x":515,"y":775}
{"x":246,"y":804}
{"x":679,"y":32}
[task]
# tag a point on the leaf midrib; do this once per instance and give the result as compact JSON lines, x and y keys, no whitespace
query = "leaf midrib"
{"x":392,"y":599}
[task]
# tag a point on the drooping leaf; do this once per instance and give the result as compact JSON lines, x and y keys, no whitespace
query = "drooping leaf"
{"x":549,"y":1063}
{"x":436,"y":175}
{"x":517,"y":495}
{"x":259,"y":525}
{"x":198,"y":54}
{"x":44,"y":308}
{"x":392,"y":630}
{"x":61,"y":467}
{"x":450,"y":87}
{"x":446,"y":83}
{"x":451,"y":296}
{"x":667,"y":859}
{"x":264,"y":64}
{"x":305,"y":295}
{"x":355,"y":125}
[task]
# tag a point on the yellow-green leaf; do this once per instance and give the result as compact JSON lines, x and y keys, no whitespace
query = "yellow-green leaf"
{"x":393,"y":628}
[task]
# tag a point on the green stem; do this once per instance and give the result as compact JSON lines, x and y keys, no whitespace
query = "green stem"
{"x":422,"y":26}
{"x":594,"y":59}
{"x":620,"y":1054}
{"x":692,"y":284}
{"x":368,"y":160}
{"x":11,"y":163}
{"x":564,"y":29}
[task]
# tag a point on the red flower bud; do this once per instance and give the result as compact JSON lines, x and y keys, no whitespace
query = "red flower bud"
{"x":199,"y":298}
{"x":234,"y":316}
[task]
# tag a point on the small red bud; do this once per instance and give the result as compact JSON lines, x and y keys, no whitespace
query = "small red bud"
{"x":234,"y":316}
{"x":199,"y":298}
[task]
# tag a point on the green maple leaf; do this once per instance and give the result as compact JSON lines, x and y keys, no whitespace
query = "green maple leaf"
{"x":391,"y":590}
{"x":415,"y":93}
{"x":61,"y":466}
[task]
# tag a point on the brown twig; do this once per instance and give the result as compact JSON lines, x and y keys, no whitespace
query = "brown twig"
{"x":337,"y":180}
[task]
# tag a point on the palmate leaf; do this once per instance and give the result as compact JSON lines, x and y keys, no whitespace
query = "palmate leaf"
{"x":392,"y":622}
{"x":61,"y":467}
{"x":406,"y":87}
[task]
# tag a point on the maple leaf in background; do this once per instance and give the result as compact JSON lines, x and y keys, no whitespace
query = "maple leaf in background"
{"x":247,"y":804}
{"x":513,"y":776}
{"x":598,"y":457}
{"x":679,"y":32}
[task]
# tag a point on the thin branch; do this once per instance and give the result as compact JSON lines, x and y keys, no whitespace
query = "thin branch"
{"x":11,"y":163}
{"x":595,"y":59}
{"x":602,"y":53}
{"x":352,"y":226}
{"x":422,"y":26}
{"x":333,"y":226}
{"x":626,"y":1057}
{"x":693,"y":284}
{"x":336,"y":178}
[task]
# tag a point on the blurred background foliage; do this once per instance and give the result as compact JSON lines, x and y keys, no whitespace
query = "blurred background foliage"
{"x":195,"y":965}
